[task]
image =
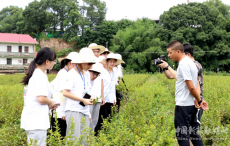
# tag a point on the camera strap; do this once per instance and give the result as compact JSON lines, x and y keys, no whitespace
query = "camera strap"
{"x":125,"y":85}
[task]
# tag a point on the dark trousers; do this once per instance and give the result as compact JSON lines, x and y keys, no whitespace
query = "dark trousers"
{"x":105,"y":112}
{"x":118,"y":97}
{"x":61,"y":124}
{"x":187,"y":124}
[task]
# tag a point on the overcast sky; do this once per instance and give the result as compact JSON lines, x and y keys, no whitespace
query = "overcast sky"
{"x":119,"y":9}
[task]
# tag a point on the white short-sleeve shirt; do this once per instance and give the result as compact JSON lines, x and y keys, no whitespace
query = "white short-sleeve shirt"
{"x":186,"y":70}
{"x":34,"y":114}
{"x":75,"y":84}
{"x":110,"y":86}
{"x":58,"y":84}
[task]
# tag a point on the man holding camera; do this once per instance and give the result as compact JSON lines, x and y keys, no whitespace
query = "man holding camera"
{"x":185,"y":111}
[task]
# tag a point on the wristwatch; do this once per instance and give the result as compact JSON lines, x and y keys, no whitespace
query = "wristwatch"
{"x":166,"y":68}
{"x":200,"y":101}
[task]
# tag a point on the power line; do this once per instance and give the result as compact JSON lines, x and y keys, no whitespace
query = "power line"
{"x":167,"y":52}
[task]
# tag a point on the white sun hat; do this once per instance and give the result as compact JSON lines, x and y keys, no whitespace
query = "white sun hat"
{"x":114,"y":56}
{"x":100,"y":58}
{"x":96,"y":67}
{"x":71,"y":56}
{"x":85,"y":56}
{"x":120,"y":58}
{"x":106,"y":50}
{"x":95,"y":46}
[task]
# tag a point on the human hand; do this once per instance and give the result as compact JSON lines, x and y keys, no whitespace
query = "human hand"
{"x":204,"y":105}
{"x":52,"y":105}
{"x":114,"y":103}
{"x":102,"y":100}
{"x":163,"y":65}
{"x":87,"y":101}
{"x":196,"y":104}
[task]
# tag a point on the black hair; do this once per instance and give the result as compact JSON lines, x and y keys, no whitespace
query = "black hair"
{"x":176,"y":45}
{"x":110,"y":59}
{"x":94,"y":71}
{"x":105,"y":52}
{"x":42,"y":55}
{"x":64,"y":63}
{"x":188,"y":49}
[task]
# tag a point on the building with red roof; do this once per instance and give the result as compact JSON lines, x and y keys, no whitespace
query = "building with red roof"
{"x":16,"y":50}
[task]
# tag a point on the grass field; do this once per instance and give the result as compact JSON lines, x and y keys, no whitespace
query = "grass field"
{"x":146,"y":117}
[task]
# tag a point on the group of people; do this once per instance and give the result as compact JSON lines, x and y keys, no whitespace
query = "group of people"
{"x":83,"y":92}
{"x":189,"y":98}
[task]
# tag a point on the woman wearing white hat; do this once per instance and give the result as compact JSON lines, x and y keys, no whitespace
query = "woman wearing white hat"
{"x":75,"y":89}
{"x":105,"y":53}
{"x":110,"y":79}
{"x":95,"y":91}
{"x":57,"y":83}
{"x":97,"y":49}
{"x":118,"y":70}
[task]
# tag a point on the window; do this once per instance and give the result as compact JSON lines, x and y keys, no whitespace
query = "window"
{"x":8,"y":48}
{"x":24,"y":61}
{"x":19,"y":48}
{"x":9,"y":61}
{"x":26,"y":49}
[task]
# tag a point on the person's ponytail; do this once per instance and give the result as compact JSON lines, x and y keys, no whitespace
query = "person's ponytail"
{"x":42,"y":55}
{"x":29,"y":73}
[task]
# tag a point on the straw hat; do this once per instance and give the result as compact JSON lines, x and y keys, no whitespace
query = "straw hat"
{"x":120,"y":58}
{"x":106,"y":50}
{"x":95,"y":46}
{"x":85,"y":56}
{"x":114,"y":56}
{"x":96,"y":67}
{"x":71,"y":56}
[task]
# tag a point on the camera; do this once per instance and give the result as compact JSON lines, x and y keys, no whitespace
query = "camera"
{"x":158,"y":61}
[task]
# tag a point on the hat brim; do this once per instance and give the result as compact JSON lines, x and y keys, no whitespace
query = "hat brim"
{"x":83,"y":60}
{"x":101,"y":48}
{"x":106,"y":51}
{"x":97,"y":71}
{"x":119,"y":61}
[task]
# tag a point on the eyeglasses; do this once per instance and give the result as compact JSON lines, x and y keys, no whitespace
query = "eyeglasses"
{"x":55,"y":62}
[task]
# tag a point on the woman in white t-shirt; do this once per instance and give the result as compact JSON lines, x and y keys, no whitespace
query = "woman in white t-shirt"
{"x":75,"y":88}
{"x":37,"y":102}
{"x":58,"y":86}
{"x":110,"y":79}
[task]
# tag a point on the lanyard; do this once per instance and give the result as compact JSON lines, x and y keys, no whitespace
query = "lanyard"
{"x":65,"y":69}
{"x":110,"y":74}
{"x":82,"y":76}
{"x":108,"y":71}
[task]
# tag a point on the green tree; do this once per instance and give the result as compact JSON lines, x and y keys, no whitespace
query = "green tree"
{"x":11,"y":20}
{"x":218,"y":4}
{"x":36,"y":18}
{"x":102,"y":33}
{"x":203,"y":27}
{"x":139,"y":37}
{"x":93,"y":13}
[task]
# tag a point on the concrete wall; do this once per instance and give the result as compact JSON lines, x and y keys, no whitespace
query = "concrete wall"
{"x":15,"y":47}
{"x":15,"y":61}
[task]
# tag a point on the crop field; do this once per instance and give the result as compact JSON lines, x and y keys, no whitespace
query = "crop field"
{"x":145,"y":118}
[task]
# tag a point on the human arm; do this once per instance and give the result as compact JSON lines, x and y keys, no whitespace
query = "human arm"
{"x":102,"y":93}
{"x":45,"y":101}
{"x":170,"y":73}
{"x":193,"y":90}
{"x":72,"y":96}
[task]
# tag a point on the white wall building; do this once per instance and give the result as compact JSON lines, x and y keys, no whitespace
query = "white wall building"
{"x":16,"y":50}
